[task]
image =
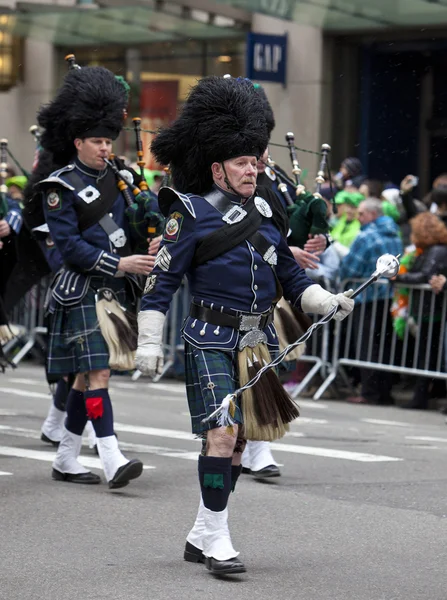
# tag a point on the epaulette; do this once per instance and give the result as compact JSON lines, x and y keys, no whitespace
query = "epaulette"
{"x":55,"y":177}
{"x":167,"y":196}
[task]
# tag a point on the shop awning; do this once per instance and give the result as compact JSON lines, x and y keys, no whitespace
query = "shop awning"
{"x":147,"y":22}
{"x":352,"y":15}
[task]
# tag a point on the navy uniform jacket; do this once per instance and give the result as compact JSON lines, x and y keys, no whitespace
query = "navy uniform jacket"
{"x":84,"y":253}
{"x":14,"y":215}
{"x":240,"y":279}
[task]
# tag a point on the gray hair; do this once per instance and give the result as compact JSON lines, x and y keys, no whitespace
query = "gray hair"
{"x":373,"y":205}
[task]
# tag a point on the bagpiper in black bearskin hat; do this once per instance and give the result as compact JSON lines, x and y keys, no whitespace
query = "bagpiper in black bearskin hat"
{"x":90,"y":103}
{"x":222,"y":118}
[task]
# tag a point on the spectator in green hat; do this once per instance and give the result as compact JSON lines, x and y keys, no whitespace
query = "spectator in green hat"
{"x":16,"y":185}
{"x":347,"y":226}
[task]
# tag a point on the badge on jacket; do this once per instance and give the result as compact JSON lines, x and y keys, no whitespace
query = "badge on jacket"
{"x":54,"y":200}
{"x":173,"y":227}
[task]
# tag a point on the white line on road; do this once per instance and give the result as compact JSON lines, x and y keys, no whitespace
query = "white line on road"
{"x":26,"y":381}
{"x":309,"y":421}
{"x":310,"y":404}
{"x":183,"y":435}
{"x":5,"y":473}
{"x":166,"y":387}
{"x":384,"y":422}
{"x":6,"y":412}
{"x":86,"y":461}
{"x":27,"y":393}
{"x":167,"y":433}
{"x":422,"y":438}
{"x":331,"y":453}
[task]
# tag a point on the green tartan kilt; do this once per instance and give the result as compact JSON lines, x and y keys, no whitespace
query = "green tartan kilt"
{"x":210,"y":376}
{"x":75,"y":342}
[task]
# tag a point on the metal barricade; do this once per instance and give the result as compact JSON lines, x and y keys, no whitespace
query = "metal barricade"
{"x":419,"y":350}
{"x":27,"y":320}
{"x":317,"y":350}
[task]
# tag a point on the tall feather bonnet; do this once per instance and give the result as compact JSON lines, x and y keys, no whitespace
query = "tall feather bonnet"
{"x":90,"y":103}
{"x":222,"y":118}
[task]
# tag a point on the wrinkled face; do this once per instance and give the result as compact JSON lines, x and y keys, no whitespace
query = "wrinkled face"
{"x":92,"y":151}
{"x":262,"y":162}
{"x":241,"y":173}
{"x":365,"y":216}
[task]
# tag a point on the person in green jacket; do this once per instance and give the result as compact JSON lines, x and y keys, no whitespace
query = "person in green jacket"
{"x":347,"y":226}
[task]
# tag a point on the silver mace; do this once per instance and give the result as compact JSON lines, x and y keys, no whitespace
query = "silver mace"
{"x":387,"y":266}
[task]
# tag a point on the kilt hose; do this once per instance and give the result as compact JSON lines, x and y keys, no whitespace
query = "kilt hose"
{"x":210,"y":376}
{"x":75,"y":342}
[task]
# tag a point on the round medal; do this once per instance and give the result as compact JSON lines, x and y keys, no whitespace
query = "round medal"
{"x":263,"y":207}
{"x":270,"y":174}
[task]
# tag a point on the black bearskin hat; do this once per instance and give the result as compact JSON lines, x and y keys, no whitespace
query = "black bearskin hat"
{"x":268,"y":111}
{"x":222,"y":118}
{"x":90,"y":103}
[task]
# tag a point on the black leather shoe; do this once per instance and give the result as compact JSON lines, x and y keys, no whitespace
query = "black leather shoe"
{"x":47,"y":440}
{"x":88,"y":478}
{"x":193,"y":554}
{"x":246,"y":471}
{"x":269,"y":471}
{"x":130,"y":470}
{"x":224,"y":567}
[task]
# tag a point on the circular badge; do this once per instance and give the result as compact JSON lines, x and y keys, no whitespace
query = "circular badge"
{"x":53,"y":199}
{"x":172,"y":227}
{"x":270,"y":173}
{"x":263,"y":207}
{"x":126,"y":175}
{"x":49,"y":242}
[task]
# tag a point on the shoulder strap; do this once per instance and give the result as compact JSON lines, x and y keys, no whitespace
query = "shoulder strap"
{"x":235,"y":231}
{"x":93,"y":212}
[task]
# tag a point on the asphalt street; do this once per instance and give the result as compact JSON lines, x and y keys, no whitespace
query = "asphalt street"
{"x":359,"y":512}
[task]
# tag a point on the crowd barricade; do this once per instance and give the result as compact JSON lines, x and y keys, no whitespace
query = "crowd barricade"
{"x":27,"y":322}
{"x":418,"y":349}
{"x":318,"y":350}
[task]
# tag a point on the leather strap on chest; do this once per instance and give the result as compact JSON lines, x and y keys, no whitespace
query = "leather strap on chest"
{"x":89,"y":214}
{"x":229,"y":235}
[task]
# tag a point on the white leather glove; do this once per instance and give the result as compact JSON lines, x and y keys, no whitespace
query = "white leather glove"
{"x":149,"y":358}
{"x":317,"y":300}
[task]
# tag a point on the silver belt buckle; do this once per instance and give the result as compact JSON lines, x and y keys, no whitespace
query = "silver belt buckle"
{"x":249,"y":322}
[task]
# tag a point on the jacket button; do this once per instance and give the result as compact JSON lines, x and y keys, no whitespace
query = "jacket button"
{"x":101,"y":262}
{"x":202,"y":332}
{"x":97,"y":268}
{"x":66,"y":292}
{"x":255,"y":287}
{"x":252,"y":249}
{"x":255,"y":306}
{"x":255,"y":267}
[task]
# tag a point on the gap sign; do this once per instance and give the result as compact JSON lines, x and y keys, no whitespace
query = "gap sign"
{"x":267,"y":57}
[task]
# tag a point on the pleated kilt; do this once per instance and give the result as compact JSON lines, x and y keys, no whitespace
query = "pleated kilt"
{"x":75,"y":342}
{"x":210,"y":376}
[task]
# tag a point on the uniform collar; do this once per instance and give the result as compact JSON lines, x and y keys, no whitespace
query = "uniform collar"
{"x":88,"y":170}
{"x":233,"y":197}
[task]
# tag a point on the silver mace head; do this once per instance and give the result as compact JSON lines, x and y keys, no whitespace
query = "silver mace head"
{"x":387,"y":266}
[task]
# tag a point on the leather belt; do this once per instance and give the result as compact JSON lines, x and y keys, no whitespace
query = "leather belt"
{"x":241,"y":321}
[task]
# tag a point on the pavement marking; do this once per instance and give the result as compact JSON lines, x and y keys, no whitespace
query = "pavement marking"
{"x":310,"y":404}
{"x":27,"y":393}
{"x":295,"y":434}
{"x":384,"y":422}
{"x":167,"y":433}
{"x":330,"y":453}
{"x":26,"y":381}
{"x":5,"y":473}
{"x":86,"y":461}
{"x":183,"y":435}
{"x":7,"y":412}
{"x":310,"y":421}
{"x":422,"y":438}
{"x":166,"y":387}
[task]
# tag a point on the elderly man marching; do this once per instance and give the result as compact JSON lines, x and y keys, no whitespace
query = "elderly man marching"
{"x":227,"y":236}
{"x":97,"y":286}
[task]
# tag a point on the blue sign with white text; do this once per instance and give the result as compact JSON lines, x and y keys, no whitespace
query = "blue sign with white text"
{"x":267,"y":57}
